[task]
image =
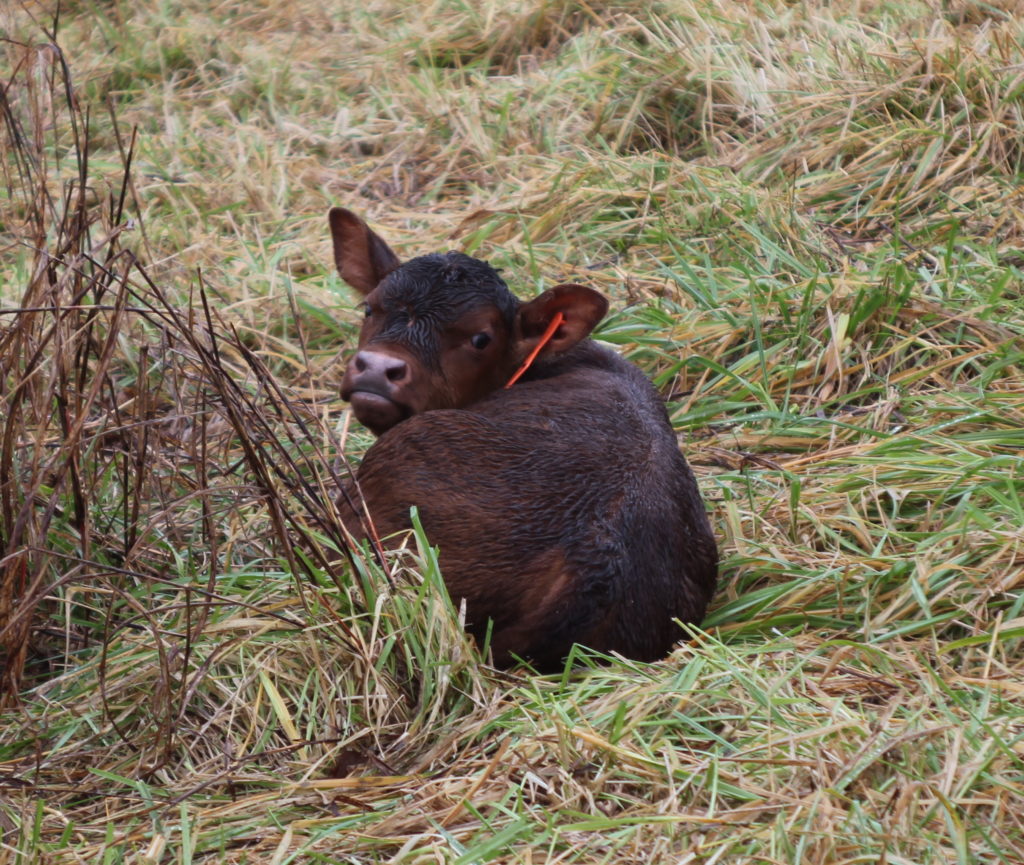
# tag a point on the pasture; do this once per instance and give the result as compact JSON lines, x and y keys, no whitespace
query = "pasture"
{"x":809,"y":220}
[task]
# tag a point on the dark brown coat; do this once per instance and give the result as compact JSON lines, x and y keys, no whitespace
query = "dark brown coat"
{"x":562,"y":507}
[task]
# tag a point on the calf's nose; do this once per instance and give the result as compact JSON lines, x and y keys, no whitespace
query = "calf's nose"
{"x":378,"y":368}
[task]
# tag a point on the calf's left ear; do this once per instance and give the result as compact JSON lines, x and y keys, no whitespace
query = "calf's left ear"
{"x":581,"y":307}
{"x":362,"y":258}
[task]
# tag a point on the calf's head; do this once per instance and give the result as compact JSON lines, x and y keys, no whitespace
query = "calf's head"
{"x":442,"y":330}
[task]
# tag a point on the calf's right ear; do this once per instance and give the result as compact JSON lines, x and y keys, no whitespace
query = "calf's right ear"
{"x":581,"y":308}
{"x":362,"y":258}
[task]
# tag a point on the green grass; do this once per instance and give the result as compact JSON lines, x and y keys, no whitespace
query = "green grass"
{"x":808,"y":220}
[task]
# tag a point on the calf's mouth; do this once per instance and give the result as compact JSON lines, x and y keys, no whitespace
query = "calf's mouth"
{"x":376,"y":411}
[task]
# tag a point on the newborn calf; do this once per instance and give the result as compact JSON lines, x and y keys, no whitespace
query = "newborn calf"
{"x":562,"y":508}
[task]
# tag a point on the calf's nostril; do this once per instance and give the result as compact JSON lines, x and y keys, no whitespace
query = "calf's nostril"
{"x":380,"y":367}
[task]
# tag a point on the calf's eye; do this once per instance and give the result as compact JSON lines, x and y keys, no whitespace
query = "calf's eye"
{"x":480,"y":340}
{"x":367,"y":311}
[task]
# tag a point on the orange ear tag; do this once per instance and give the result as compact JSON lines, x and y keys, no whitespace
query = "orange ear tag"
{"x":544,"y":340}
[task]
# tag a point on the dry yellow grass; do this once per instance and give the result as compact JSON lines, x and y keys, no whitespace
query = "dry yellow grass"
{"x":809,"y":219}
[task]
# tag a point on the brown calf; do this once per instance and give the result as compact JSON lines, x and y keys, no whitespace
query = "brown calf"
{"x":562,"y":507}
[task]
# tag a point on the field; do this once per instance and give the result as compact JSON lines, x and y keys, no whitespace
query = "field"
{"x":809,"y":218}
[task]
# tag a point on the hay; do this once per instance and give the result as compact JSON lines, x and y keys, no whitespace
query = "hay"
{"x":809,"y":220}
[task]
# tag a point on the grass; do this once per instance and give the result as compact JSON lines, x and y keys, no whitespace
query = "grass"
{"x":808,"y":218}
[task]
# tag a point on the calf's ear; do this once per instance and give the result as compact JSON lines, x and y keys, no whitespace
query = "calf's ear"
{"x":362,"y":258}
{"x":581,"y":307}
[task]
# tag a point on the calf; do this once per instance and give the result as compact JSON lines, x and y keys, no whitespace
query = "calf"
{"x":562,"y":508}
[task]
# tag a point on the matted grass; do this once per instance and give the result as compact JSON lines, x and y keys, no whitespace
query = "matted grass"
{"x":810,"y":221}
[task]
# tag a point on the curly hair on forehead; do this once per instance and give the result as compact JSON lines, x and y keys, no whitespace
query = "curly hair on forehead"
{"x":448,"y":284}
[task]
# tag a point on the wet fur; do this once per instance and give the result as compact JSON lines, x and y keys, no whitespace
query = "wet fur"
{"x":562,"y":507}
